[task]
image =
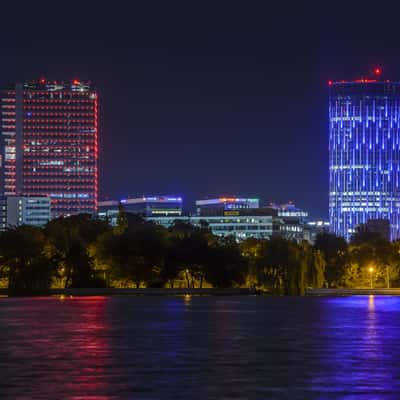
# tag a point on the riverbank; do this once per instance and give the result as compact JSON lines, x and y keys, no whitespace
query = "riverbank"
{"x":200,"y":292}
{"x":145,"y":292}
{"x":352,"y":292}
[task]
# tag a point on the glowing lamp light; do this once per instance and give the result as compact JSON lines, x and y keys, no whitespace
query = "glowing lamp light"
{"x":371,"y":269}
{"x":330,"y":83}
{"x":377,"y":71}
{"x":75,"y":82}
{"x":42,"y":81}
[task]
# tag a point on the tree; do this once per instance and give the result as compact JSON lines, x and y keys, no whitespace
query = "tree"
{"x":273,"y":262}
{"x":373,"y":258}
{"x":122,"y":221}
{"x":23,"y":259}
{"x":70,"y":240}
{"x":334,"y":250}
{"x":226,"y":267}
{"x":135,"y":255}
{"x":191,"y":250}
{"x":316,"y":268}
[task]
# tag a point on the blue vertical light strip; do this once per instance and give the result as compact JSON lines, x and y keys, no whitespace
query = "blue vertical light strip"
{"x":364,"y":135}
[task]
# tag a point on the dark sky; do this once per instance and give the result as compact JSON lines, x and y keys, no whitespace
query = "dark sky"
{"x":206,"y":98}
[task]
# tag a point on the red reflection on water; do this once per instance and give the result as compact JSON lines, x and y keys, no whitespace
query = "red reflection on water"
{"x":87,"y":334}
{"x":62,"y":348}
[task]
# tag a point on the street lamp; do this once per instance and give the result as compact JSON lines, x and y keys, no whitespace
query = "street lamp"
{"x":371,"y":270}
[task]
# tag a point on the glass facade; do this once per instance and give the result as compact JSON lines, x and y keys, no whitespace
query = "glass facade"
{"x":146,"y":206}
{"x":50,"y":144}
{"x":225,"y":205}
{"x":241,"y":228}
{"x":28,"y":211}
{"x":154,"y":205}
{"x":364,"y":167}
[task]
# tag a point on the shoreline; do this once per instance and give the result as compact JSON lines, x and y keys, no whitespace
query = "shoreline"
{"x":139,"y":292}
{"x":353,"y":292}
{"x":86,"y":292}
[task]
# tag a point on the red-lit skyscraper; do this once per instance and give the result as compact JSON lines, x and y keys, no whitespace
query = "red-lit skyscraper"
{"x":50,"y":143}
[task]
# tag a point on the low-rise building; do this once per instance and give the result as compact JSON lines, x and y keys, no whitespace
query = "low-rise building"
{"x":225,"y":205}
{"x":293,"y":221}
{"x":314,"y":228}
{"x":240,"y":217}
{"x":3,"y":213}
{"x":147,"y":206}
{"x":21,"y":210}
{"x":241,"y":227}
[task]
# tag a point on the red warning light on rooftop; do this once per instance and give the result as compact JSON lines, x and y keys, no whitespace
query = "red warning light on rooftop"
{"x":374,"y":76}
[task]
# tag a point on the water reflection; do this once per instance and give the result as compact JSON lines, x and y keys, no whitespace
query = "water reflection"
{"x":187,"y":299}
{"x":58,"y":346}
{"x":195,"y":347}
{"x":371,"y":303}
{"x":358,"y":358}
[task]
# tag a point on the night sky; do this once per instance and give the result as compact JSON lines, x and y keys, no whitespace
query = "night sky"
{"x":206,"y":98}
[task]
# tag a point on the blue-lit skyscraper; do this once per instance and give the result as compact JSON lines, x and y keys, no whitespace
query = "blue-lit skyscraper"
{"x":364,"y":167}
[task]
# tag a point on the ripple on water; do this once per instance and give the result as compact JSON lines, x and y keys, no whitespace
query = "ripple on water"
{"x":202,"y":347}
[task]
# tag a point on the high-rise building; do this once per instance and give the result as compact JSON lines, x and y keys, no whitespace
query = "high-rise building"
{"x":364,"y":154}
{"x":50,"y":143}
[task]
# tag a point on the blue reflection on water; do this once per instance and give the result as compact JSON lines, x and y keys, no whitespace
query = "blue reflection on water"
{"x":200,"y":348}
{"x":359,"y":358}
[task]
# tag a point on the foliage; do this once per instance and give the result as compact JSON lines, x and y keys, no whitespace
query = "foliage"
{"x":81,"y":251}
{"x":23,"y":260}
{"x":70,"y":240}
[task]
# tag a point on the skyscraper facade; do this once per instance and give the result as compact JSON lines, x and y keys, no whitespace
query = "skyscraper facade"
{"x":50,"y":143}
{"x":364,"y":149}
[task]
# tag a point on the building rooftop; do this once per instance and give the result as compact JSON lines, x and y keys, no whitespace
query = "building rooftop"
{"x":55,"y":86}
{"x":375,"y":76}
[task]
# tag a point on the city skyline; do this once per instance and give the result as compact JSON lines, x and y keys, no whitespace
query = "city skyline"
{"x":233,"y":101}
{"x":199,"y":200}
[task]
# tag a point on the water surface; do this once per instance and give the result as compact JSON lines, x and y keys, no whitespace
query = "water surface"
{"x":245,"y":347}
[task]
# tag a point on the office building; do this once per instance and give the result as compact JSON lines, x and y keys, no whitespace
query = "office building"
{"x":293,"y":221}
{"x":3,"y":213}
{"x":314,"y":228}
{"x":237,"y":217}
{"x":376,"y":226}
{"x":225,"y":205}
{"x":289,"y":210}
{"x":364,"y":140}
{"x":34,"y":211}
{"x":147,"y":206}
{"x":50,"y":144}
{"x":240,"y":227}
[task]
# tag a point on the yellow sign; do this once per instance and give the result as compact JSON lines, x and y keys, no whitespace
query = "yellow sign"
{"x":235,"y":213}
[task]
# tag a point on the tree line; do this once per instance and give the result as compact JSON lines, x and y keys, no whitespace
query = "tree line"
{"x":82,"y":251}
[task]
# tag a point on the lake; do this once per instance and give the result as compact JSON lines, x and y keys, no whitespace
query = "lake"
{"x":244,"y":347}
